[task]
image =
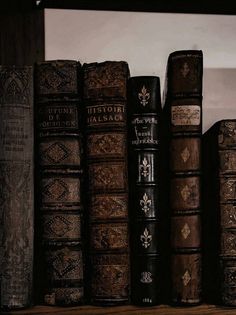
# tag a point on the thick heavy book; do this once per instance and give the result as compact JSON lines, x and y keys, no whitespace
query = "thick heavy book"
{"x":144,"y":111}
{"x":219,"y":207}
{"x":107,"y":187}
{"x":183,"y":107}
{"x":16,"y":186}
{"x":59,"y":152}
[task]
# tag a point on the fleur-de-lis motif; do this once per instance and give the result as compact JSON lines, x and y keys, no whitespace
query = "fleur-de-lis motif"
{"x":146,"y":277}
{"x":146,"y":238}
{"x":144,"y":96}
{"x":144,"y":167}
{"x":185,"y":70}
{"x":145,"y":203}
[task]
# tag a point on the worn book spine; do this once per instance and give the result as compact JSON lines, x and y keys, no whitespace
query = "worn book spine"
{"x":16,"y":187}
{"x":59,"y":152}
{"x":144,"y":110}
{"x":220,"y":206}
{"x":105,"y":89}
{"x":184,"y":109}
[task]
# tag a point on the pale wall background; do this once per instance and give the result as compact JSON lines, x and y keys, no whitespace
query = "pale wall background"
{"x":145,"y":40}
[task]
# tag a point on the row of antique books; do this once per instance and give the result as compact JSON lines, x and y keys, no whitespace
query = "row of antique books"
{"x":105,"y":195}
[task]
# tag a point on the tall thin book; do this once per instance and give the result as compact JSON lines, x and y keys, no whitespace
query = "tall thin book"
{"x":16,"y":186}
{"x":219,"y":144}
{"x":183,"y":110}
{"x":144,"y":115}
{"x":105,"y":89}
{"x":59,"y":154}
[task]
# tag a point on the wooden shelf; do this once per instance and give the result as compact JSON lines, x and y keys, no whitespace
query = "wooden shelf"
{"x":127,"y":310}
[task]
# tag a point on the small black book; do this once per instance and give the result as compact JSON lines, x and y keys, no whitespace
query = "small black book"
{"x":144,"y":108}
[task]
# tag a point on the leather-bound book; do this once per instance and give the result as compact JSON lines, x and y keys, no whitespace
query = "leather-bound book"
{"x":183,"y":109}
{"x":16,"y":187}
{"x":144,"y":111}
{"x":220,"y":209}
{"x":105,"y":89}
{"x":59,"y":153}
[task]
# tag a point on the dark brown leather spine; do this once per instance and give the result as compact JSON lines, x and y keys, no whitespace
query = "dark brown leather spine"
{"x":16,"y":186}
{"x":186,"y":270}
{"x":58,"y":111}
{"x":106,"y":155}
{"x":227,"y":200}
{"x":183,"y":107}
{"x":144,"y":113}
{"x":220,"y":205}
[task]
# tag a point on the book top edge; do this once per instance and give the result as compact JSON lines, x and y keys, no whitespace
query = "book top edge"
{"x":16,"y":67}
{"x":104,"y":63}
{"x":184,"y":53}
{"x":58,"y":61}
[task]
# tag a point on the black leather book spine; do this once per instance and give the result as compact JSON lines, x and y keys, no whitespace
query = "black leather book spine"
{"x":144,"y":110}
